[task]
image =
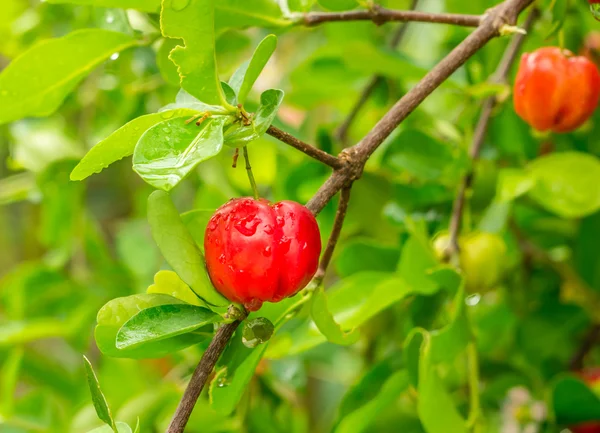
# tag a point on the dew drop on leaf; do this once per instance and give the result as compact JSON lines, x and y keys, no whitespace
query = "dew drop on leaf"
{"x":114,"y":56}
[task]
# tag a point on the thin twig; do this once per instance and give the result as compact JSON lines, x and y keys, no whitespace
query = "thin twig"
{"x":250,"y":174}
{"x":355,"y":157}
{"x":380,"y":15}
{"x":342,"y":132}
{"x":499,"y":76}
{"x":306,"y":148}
{"x":200,"y":375}
{"x":335,"y":233}
{"x":588,"y":343}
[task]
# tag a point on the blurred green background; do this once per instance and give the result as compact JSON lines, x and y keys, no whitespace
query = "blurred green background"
{"x":66,"y":248}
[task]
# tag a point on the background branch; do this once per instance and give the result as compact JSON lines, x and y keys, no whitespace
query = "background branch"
{"x":380,"y":15}
{"x":500,"y":76}
{"x":342,"y":132}
{"x":355,"y":157}
{"x":306,"y":148}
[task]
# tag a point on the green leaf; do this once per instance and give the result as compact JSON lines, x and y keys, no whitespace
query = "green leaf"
{"x":248,"y":13}
{"x":360,"y":419}
{"x":338,"y":5}
{"x":170,"y":150}
{"x":185,"y":100}
{"x":193,"y":21}
{"x":567,"y":183}
{"x":121,"y":428}
{"x":141,"y":5}
{"x":169,"y":283}
{"x":240,"y":135}
{"x":326,"y":323}
{"x":178,"y":247}
{"x":121,"y":143}
{"x":9,"y":375}
{"x":20,"y":332}
{"x":166,"y":67}
{"x":426,"y":158}
{"x":513,"y":183}
{"x":100,"y":403}
{"x":574,"y":402}
{"x":436,"y":409}
{"x":17,"y":187}
{"x":257,"y":331}
{"x":161,"y":322}
{"x":366,"y":255}
{"x":115,"y":313}
{"x":243,"y":79}
{"x":37,"y":82}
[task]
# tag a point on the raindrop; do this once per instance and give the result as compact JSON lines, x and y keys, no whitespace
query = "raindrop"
{"x":267,"y":251}
{"x":268,"y":229}
{"x":247,"y":225}
{"x":280,"y":221}
{"x":213,"y":223}
{"x":114,"y":56}
{"x":222,"y":259}
{"x":285,"y":242}
{"x":110,"y":18}
{"x":178,"y":5}
{"x":167,"y":114}
{"x":473,"y":300}
{"x":166,"y":130}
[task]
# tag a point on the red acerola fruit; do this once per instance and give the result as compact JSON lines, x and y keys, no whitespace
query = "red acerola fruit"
{"x":257,"y":251}
{"x":555,"y":90}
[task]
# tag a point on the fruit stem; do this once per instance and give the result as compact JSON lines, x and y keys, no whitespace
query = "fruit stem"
{"x":250,"y":174}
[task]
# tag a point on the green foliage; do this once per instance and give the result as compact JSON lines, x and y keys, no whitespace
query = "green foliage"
{"x":390,"y":341}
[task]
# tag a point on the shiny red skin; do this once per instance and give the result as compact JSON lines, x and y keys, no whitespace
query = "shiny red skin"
{"x":591,"y":376}
{"x":257,"y":251}
{"x":555,"y":90}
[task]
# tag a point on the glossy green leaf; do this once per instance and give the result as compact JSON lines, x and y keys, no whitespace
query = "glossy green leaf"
{"x":185,"y":100}
{"x":193,"y":21}
{"x":324,"y":320}
{"x":360,"y":420}
{"x":240,"y":135}
{"x":338,"y":5}
{"x":121,"y":143}
{"x":435,"y":406}
{"x":169,"y":283}
{"x":178,"y":247}
{"x":100,"y":403}
{"x":567,"y":183}
{"x":141,"y":5}
{"x":573,"y":402}
{"x":243,"y":79}
{"x":513,"y":183}
{"x":115,"y":313}
{"x":121,"y":428}
{"x":166,"y":67}
{"x":248,"y":13}
{"x":170,"y":150}
{"x":161,"y":322}
{"x":28,"y":87}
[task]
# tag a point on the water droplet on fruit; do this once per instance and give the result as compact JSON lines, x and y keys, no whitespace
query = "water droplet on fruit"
{"x":220,"y":281}
{"x":178,"y":5}
{"x":268,"y":229}
{"x":213,"y":223}
{"x":304,"y":246}
{"x":222,"y":258}
{"x":595,"y":8}
{"x":247,"y":225}
{"x":267,"y":251}
{"x":280,"y":221}
{"x":285,"y":242}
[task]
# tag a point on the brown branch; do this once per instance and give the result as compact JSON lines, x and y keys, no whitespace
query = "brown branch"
{"x":201,"y":374}
{"x":499,"y":76}
{"x":342,"y":132}
{"x":380,"y":15}
{"x":588,"y":343}
{"x":335,"y":234}
{"x":355,"y":157}
{"x":306,"y":148}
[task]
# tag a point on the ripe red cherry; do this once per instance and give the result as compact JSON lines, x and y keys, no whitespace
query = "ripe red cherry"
{"x":257,"y":251}
{"x":555,"y":90}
